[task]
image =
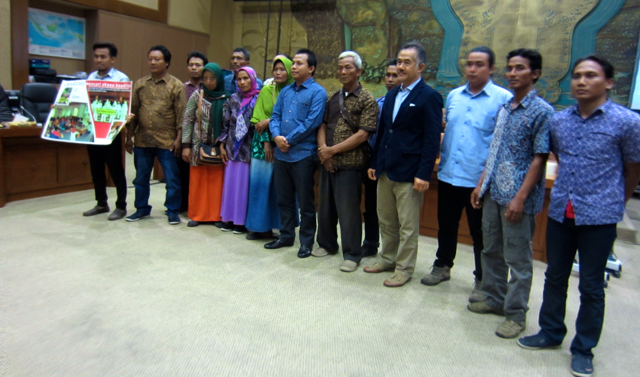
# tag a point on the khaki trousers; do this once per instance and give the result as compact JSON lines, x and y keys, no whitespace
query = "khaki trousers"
{"x":399,"y":217}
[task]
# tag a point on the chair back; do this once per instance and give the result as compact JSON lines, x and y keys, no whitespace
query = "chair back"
{"x":36,"y":100}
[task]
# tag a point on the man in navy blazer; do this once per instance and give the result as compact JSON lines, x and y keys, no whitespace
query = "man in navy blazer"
{"x":403,"y":160}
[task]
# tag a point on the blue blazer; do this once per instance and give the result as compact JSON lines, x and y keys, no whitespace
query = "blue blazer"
{"x":408,"y":147}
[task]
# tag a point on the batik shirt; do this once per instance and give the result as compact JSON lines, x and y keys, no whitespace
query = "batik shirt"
{"x":520,"y":134}
{"x":591,"y":154}
{"x":159,"y":108}
{"x":363,"y":111}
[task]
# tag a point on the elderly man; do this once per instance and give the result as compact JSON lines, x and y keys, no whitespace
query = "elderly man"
{"x":350,"y":117}
{"x":407,"y":145}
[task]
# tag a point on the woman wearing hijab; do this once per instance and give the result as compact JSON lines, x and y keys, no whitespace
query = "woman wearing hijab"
{"x":205,"y":182}
{"x":235,"y":150}
{"x":263,"y":214}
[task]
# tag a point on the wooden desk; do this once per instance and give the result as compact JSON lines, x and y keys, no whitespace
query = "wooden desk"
{"x":31,"y":167}
{"x":429,"y":219}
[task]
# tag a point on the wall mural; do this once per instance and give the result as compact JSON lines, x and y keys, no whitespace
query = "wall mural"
{"x":561,"y":30}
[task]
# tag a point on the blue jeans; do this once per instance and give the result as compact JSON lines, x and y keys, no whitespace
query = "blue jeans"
{"x":143,"y":159}
{"x":593,"y":243}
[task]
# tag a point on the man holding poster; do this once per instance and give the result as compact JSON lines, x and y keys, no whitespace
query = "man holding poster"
{"x":104,"y":56}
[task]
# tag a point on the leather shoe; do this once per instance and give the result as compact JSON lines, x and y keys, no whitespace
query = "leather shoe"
{"x":193,"y":223}
{"x":96,"y":211}
{"x":259,"y":235}
{"x":304,"y":252}
{"x":276,"y":244}
{"x":117,"y":214}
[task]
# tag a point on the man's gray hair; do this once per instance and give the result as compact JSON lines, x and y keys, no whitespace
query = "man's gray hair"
{"x":356,"y":58}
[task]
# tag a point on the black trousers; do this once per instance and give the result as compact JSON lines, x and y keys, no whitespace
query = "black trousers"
{"x":111,"y":156}
{"x":184,"y":169}
{"x":371,"y":226}
{"x":340,"y":194}
{"x":296,"y":178}
{"x":451,"y":201}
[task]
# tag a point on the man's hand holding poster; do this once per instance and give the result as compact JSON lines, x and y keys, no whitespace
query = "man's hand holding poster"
{"x":88,"y":112}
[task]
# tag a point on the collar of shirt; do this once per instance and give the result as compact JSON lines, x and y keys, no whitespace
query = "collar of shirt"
{"x":354,"y":93}
{"x":410,"y":87}
{"x":108,"y":75}
{"x":487,"y":89}
{"x":601,"y":109}
{"x":305,"y":84}
{"x":157,"y":81}
{"x":526,"y":101}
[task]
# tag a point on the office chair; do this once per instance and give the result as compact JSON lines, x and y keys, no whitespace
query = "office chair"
{"x":36,"y":100}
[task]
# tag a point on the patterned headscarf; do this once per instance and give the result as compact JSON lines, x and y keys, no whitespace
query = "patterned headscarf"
{"x":247,"y":104}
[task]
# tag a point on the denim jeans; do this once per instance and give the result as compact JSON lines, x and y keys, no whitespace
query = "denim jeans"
{"x":593,"y":243}
{"x":143,"y":159}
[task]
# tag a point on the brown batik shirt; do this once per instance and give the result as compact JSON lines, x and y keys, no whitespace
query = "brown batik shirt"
{"x":363,"y":115}
{"x":159,"y":108}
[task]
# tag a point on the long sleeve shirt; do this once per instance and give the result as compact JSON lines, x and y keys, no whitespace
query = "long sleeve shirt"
{"x":159,"y":108}
{"x":297,"y":115}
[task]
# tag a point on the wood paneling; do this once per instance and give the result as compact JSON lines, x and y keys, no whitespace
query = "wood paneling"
{"x":129,"y":9}
{"x":19,"y":43}
{"x":31,"y":167}
{"x":134,"y":37}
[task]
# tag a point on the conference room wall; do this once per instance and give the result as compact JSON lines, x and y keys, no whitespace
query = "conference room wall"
{"x":134,"y":37}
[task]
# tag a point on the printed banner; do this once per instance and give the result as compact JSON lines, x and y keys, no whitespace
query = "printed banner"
{"x":88,"y":112}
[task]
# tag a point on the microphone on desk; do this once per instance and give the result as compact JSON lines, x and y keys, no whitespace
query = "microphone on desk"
{"x":28,"y":113}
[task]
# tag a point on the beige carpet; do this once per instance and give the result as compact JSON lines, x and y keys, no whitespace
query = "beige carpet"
{"x":89,"y":297}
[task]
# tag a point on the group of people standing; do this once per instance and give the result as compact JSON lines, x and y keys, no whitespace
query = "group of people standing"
{"x":273,"y":137}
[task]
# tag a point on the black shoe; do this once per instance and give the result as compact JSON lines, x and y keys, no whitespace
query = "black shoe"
{"x":259,"y":235}
{"x":239,"y":229}
{"x":219,"y":224}
{"x":193,"y":223}
{"x":304,"y":252}
{"x":368,"y":250}
{"x":278,"y":244}
{"x":227,"y":227}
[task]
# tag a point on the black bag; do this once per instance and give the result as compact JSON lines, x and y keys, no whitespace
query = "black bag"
{"x":206,"y":154}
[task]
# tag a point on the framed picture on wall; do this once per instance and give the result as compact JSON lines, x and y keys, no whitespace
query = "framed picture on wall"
{"x":55,"y":34}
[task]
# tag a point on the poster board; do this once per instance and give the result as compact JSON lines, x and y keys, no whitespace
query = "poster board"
{"x":88,"y":112}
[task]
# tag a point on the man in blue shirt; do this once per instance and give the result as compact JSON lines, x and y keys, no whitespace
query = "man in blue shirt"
{"x":296,"y":116}
{"x":406,"y":149}
{"x":104,"y":57}
{"x":239,"y":58}
{"x":370,"y":215}
{"x":597,"y":143}
{"x":470,"y":117}
{"x":513,"y":181}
